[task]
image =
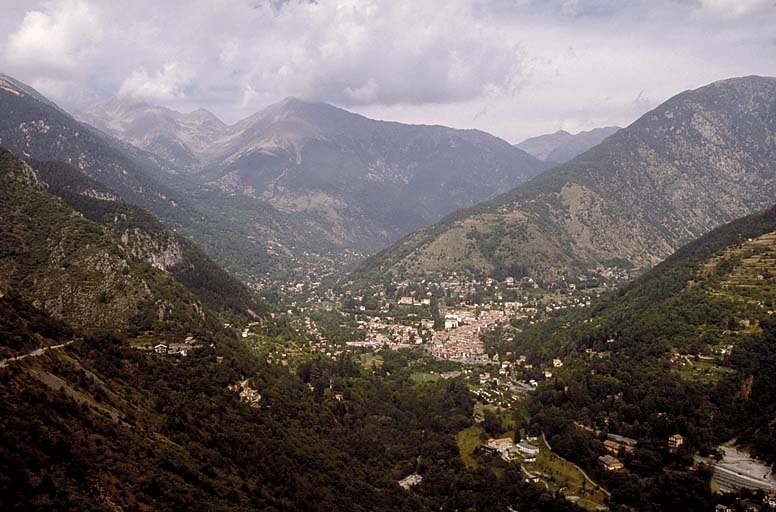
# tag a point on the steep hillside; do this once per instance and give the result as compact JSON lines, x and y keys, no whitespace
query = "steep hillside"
{"x":103,"y":264}
{"x":149,"y":240}
{"x":562,"y":146}
{"x":33,"y":127}
{"x":24,"y":328}
{"x":700,"y":159}
{"x":97,"y":425}
{"x":689,"y":348}
{"x":259,"y":242}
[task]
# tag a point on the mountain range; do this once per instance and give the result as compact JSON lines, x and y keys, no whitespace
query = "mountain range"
{"x":364,"y":182}
{"x":702,"y":158}
{"x":101,"y":272}
{"x":562,"y":146}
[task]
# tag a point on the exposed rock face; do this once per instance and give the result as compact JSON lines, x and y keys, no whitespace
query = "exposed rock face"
{"x":699,"y":160}
{"x":72,"y":249}
{"x":161,"y":252}
{"x":186,"y":140}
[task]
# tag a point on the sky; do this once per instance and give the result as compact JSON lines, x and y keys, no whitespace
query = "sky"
{"x":515,"y":68}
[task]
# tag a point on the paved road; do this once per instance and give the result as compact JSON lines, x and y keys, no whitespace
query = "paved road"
{"x":34,"y":353}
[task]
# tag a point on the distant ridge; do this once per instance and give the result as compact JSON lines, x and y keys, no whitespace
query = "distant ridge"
{"x":562,"y":146}
{"x":702,"y":158}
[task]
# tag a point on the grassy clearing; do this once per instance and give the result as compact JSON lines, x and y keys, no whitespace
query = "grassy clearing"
{"x":468,"y":440}
{"x":707,"y":372}
{"x":505,"y":415}
{"x":368,"y":359}
{"x":563,"y":476}
{"x":421,"y":377}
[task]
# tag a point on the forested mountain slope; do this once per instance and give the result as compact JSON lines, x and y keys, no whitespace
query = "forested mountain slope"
{"x":700,"y":159}
{"x":689,"y":348}
{"x":98,"y":425}
{"x":97,"y":262}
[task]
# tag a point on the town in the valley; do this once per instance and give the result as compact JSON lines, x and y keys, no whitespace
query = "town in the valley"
{"x":457,"y":327}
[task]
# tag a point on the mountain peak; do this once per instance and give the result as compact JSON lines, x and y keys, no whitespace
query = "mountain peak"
{"x":694,"y":162}
{"x":292,"y":104}
{"x":562,"y":146}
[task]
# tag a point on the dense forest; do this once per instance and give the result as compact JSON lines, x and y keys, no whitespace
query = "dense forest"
{"x":99,"y":425}
{"x":689,"y":349}
{"x":212,"y":285}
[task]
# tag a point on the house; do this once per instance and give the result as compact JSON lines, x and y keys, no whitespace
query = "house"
{"x":161,"y":348}
{"x":500,"y":444}
{"x":504,"y":446}
{"x":410,"y":481}
{"x":451,"y":322}
{"x":557,"y":363}
{"x":612,"y":447}
{"x":675,"y":441}
{"x":407,"y":301}
{"x":610,"y":463}
{"x":528,"y":451}
{"x":625,"y":442}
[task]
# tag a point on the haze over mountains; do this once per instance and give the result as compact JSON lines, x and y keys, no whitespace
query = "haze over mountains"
{"x":700,"y":159}
{"x":562,"y":146}
{"x":292,"y":186}
{"x":367,"y":182}
{"x":182,"y":139}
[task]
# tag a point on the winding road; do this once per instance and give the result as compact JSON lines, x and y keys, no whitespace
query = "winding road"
{"x":34,"y":353}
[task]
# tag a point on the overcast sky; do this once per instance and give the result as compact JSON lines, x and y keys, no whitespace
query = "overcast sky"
{"x":515,"y":68}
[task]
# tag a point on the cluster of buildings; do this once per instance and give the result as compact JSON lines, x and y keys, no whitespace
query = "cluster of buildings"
{"x":179,"y":349}
{"x":508,"y":450}
{"x":248,"y":394}
{"x":460,"y":340}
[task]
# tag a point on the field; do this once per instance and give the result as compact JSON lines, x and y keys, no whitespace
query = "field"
{"x":420,"y":377}
{"x":369,"y":359}
{"x":468,"y":440}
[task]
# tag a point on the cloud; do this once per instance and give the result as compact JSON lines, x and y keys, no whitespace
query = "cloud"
{"x":512,"y":67}
{"x":737,"y":8}
{"x":373,"y":52}
{"x":166,"y":84}
{"x":58,"y":38}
